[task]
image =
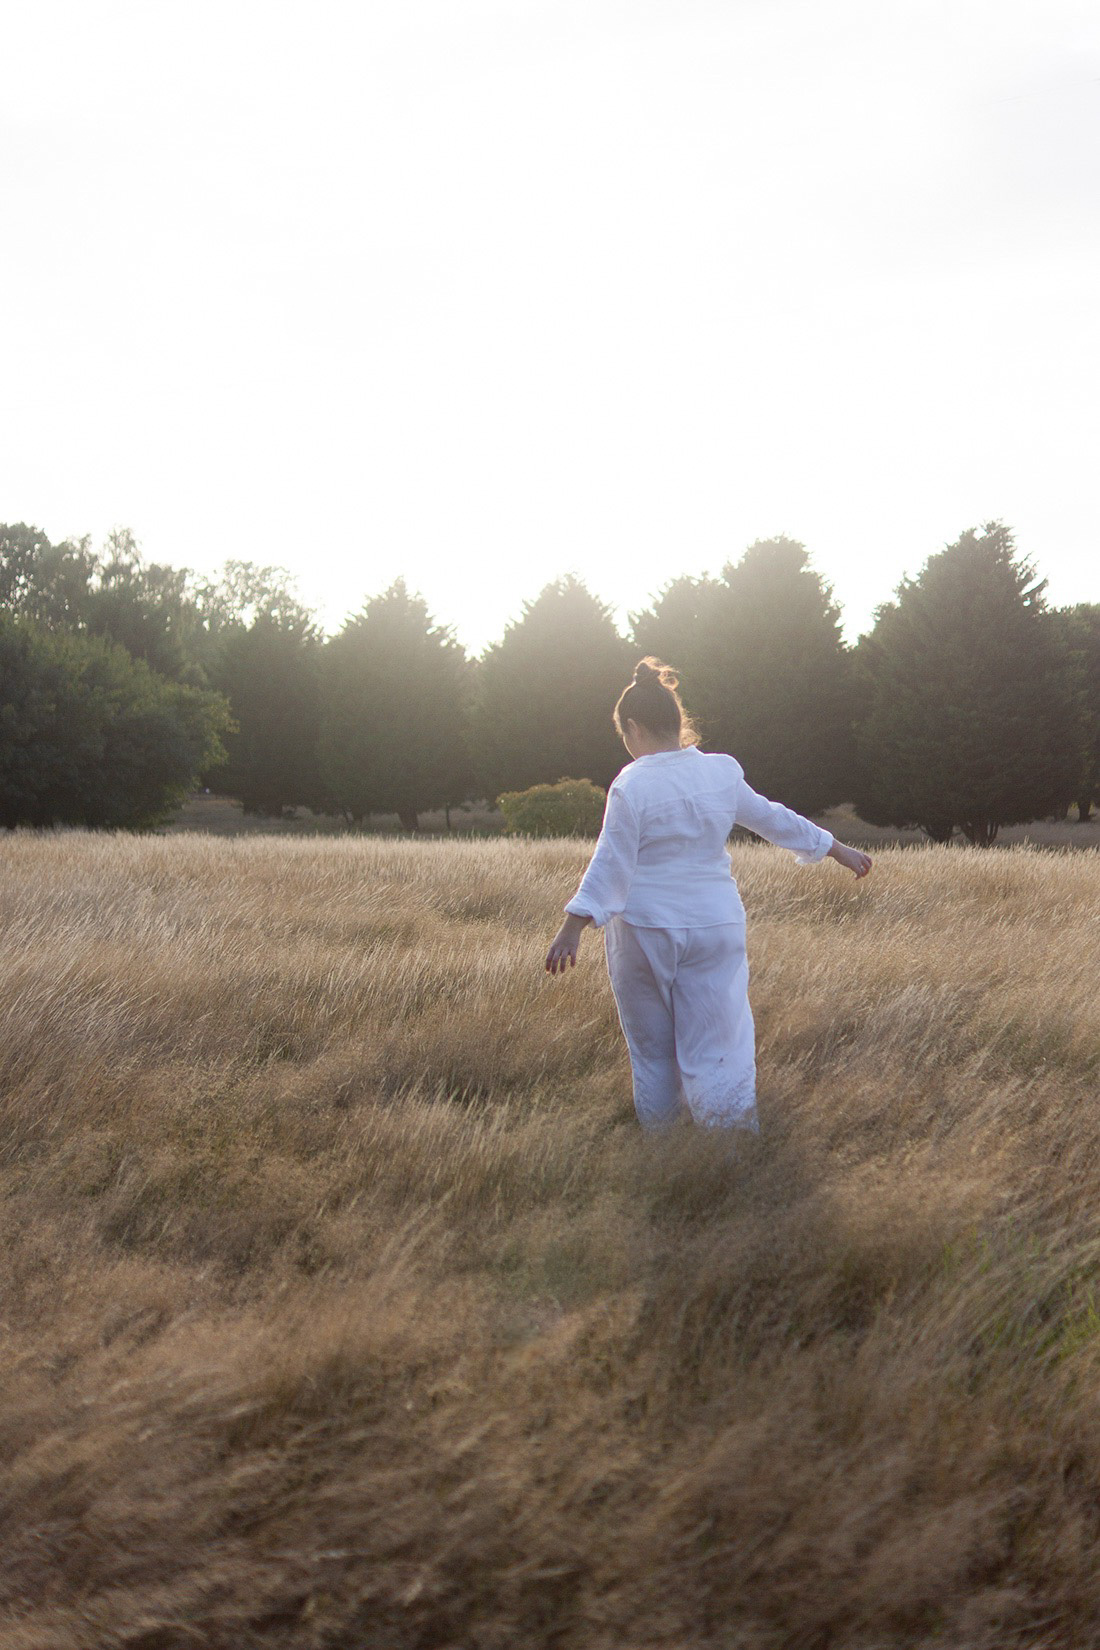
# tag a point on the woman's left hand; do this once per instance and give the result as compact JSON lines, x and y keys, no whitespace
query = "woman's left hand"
{"x":853,"y":859}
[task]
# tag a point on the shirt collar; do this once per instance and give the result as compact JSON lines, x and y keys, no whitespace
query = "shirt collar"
{"x":663,"y":756}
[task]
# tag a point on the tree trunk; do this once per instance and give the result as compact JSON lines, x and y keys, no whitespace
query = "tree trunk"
{"x":1084,"y":812}
{"x":410,"y":819}
{"x":981,"y":832}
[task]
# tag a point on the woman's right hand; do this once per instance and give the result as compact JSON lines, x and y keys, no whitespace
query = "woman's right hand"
{"x":563,"y":951}
{"x":853,"y":859}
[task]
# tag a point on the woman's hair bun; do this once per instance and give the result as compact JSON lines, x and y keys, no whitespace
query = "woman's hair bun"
{"x":652,"y":701}
{"x":652,"y":670}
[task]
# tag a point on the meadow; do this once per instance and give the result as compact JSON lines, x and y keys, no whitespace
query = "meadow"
{"x":344,"y":1305}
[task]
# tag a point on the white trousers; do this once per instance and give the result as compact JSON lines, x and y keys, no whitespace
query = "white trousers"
{"x":683,"y":1001}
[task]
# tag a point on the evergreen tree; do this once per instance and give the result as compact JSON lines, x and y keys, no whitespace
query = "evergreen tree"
{"x":270,"y":673}
{"x":546,"y":692}
{"x":764,"y":670}
{"x":1079,"y":628}
{"x":394,"y":712}
{"x":970,"y":713}
{"x":685,"y":626}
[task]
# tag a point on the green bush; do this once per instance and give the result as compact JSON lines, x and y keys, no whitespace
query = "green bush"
{"x":572,"y":807}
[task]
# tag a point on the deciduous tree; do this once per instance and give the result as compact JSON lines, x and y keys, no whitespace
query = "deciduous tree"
{"x":42,"y":581}
{"x":143,"y":606}
{"x":90,"y":736}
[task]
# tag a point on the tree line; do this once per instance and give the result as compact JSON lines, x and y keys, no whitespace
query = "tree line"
{"x":970,"y":704}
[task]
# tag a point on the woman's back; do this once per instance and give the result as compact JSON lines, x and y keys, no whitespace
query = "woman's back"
{"x":662,"y":860}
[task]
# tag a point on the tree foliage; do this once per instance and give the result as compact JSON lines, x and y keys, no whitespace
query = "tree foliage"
{"x":546,"y":692}
{"x":45,"y":582}
{"x":975,"y":705}
{"x":172,"y":618}
{"x":271,"y":674}
{"x":395,"y":709}
{"x":90,"y":736}
{"x":241,"y":594}
{"x":763,"y":670}
{"x":970,"y":715}
{"x":1079,"y":628}
{"x":242,"y":632}
{"x":144,"y":606}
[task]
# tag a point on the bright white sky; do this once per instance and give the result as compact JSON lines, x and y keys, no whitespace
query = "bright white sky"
{"x":485,"y":291}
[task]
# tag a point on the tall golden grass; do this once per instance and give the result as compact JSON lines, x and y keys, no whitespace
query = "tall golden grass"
{"x":345,"y":1305}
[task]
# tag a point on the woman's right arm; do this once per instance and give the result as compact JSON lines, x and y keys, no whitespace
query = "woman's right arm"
{"x":606,"y":883}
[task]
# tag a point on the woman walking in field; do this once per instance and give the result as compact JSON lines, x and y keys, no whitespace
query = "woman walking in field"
{"x":660,"y":885}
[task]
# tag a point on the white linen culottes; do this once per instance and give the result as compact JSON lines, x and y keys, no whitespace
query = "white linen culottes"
{"x":683,"y":1001}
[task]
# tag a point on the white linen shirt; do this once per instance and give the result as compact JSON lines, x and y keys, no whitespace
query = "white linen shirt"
{"x":661,"y":859}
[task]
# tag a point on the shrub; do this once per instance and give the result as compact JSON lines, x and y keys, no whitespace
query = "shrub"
{"x":572,"y":807}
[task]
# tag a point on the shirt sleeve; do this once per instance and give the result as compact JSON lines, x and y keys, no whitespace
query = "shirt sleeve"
{"x":781,"y":825}
{"x":606,"y":883}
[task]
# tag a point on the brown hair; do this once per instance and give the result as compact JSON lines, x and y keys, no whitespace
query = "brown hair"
{"x":652,"y":701}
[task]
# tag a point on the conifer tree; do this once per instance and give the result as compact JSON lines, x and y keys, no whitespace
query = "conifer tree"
{"x":1079,"y":628}
{"x":270,"y":673}
{"x":546,"y":692}
{"x":969,"y":714}
{"x":684,"y":626}
{"x":394,"y":712}
{"x":764,"y":670}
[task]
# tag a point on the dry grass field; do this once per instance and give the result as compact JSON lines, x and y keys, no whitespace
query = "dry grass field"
{"x":344,"y":1305}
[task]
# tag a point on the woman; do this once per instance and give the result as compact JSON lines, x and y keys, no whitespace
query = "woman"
{"x":660,"y":884}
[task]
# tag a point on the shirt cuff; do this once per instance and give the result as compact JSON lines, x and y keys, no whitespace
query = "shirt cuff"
{"x":578,"y":908}
{"x":810,"y":856}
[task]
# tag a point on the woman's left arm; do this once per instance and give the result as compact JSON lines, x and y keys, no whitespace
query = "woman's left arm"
{"x":853,"y":859}
{"x":782,"y":826}
{"x":785,"y":828}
